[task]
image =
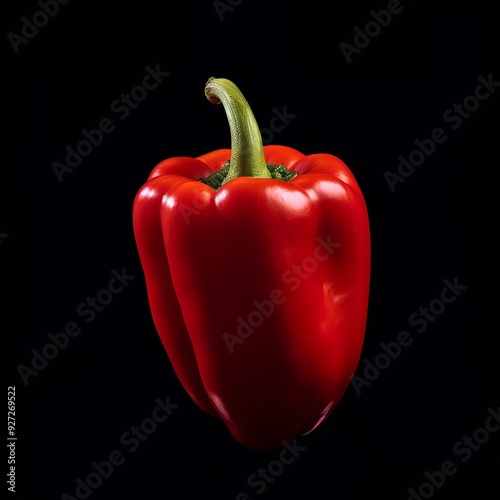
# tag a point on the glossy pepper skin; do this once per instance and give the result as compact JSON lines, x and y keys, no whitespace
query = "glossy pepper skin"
{"x":259,"y":289}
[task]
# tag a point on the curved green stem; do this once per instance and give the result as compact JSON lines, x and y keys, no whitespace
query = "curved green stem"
{"x":247,"y":153}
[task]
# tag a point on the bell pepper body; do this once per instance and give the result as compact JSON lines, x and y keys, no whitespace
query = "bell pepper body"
{"x":259,"y":290}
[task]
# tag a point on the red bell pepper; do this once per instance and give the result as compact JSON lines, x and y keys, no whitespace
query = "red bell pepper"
{"x":257,"y":268}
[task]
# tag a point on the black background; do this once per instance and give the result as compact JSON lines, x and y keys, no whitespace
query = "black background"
{"x":64,"y":238}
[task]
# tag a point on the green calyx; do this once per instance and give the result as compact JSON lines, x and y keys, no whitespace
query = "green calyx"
{"x":247,"y":152}
{"x":217,"y":179}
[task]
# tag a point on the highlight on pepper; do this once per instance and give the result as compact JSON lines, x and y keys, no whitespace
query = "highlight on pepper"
{"x":256,"y":261}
